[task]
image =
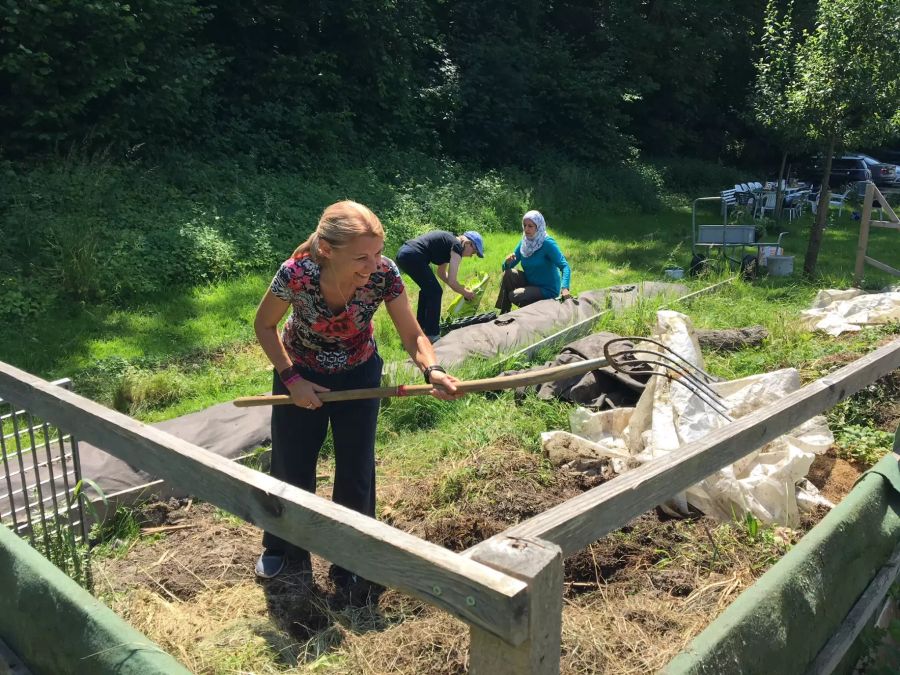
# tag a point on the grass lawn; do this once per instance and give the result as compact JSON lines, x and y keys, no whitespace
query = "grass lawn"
{"x":170,"y":355}
{"x":447,"y":471}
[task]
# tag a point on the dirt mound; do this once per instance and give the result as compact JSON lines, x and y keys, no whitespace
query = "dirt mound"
{"x":834,"y":476}
{"x":485,"y":495}
{"x":212,"y":551}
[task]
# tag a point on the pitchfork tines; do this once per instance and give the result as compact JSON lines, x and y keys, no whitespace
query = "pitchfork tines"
{"x":669,"y":364}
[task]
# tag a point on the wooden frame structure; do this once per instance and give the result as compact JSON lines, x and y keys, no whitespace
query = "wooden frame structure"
{"x":865,"y":223}
{"x":509,"y":588}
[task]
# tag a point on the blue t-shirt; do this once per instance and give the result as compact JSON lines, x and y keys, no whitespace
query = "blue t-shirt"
{"x":543,"y":267}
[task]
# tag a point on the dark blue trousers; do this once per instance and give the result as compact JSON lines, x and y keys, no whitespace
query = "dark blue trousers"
{"x":428,"y":311}
{"x":298,"y":435}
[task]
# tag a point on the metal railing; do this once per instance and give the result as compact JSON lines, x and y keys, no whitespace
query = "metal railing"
{"x":41,"y":487}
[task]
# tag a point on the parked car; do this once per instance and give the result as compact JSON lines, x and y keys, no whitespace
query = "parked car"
{"x":891,"y":155}
{"x":882,"y":172}
{"x":844,"y":170}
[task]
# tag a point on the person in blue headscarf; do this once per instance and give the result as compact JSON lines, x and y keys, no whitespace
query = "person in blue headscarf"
{"x":545,"y":271}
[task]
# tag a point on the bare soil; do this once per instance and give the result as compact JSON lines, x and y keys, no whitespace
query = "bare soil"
{"x":633,"y":599}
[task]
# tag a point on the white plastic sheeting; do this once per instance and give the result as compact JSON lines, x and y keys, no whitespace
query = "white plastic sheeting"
{"x":769,"y":482}
{"x":835,"y":311}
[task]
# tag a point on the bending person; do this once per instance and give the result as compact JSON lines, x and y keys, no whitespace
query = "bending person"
{"x":445,"y":250}
{"x":333,"y":284}
{"x":545,"y":271}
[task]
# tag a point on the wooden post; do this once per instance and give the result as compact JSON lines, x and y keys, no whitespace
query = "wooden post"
{"x":863,"y":242}
{"x":539,"y":564}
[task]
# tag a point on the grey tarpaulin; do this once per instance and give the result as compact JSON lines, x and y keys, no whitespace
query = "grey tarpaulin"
{"x":604,"y":387}
{"x":223,"y":429}
{"x":527,"y":325}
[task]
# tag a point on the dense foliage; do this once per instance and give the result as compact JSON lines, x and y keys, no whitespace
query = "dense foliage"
{"x":152,"y":143}
{"x":288,"y":82}
{"x":82,"y":230}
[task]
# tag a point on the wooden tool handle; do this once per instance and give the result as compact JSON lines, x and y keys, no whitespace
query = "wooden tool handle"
{"x":343,"y":395}
{"x":488,"y":384}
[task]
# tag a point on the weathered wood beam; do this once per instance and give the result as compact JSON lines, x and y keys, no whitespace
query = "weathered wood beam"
{"x":862,"y":243}
{"x":884,"y":268}
{"x":577,"y":522}
{"x":476,"y":593}
{"x":540,"y":565}
{"x":730,"y":339}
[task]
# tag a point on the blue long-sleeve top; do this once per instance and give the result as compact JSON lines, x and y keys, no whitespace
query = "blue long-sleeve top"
{"x":543,"y":268}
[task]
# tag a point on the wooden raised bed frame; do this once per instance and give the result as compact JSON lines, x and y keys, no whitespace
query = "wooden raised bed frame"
{"x":509,"y":588}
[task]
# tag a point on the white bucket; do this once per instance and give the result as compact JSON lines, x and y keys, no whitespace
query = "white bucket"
{"x":675,"y":273}
{"x":766,"y":252}
{"x":781,"y":265}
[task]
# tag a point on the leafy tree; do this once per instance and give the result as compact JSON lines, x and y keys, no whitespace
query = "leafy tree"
{"x":689,"y":63}
{"x":120,"y":72}
{"x":534,"y":77}
{"x":324,"y":76}
{"x":847,"y":89}
{"x":776,"y":72}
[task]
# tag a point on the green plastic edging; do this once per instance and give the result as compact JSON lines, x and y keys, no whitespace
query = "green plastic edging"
{"x":781,"y":623}
{"x":54,"y":626}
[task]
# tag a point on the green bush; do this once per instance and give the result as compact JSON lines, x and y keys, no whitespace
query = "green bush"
{"x":110,"y":71}
{"x":698,"y":178}
{"x":86,"y":229}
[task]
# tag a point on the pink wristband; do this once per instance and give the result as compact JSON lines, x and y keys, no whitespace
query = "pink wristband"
{"x":293,"y":378}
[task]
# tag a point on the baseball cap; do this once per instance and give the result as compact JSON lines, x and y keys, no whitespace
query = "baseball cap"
{"x":476,"y":240}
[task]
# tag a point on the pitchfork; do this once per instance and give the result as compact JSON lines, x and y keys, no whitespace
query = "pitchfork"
{"x":674,"y":368}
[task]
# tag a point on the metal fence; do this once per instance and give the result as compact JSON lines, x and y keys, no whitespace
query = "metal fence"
{"x":41,"y":488}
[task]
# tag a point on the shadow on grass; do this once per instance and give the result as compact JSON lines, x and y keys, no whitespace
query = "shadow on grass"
{"x":186,"y":321}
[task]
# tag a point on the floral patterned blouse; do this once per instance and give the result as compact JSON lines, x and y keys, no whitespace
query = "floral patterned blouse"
{"x":316,"y":338}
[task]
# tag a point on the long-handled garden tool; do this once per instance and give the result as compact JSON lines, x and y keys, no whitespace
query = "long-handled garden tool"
{"x":488,"y":384}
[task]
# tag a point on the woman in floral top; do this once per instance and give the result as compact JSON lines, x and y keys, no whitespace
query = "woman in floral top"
{"x":333,"y":284}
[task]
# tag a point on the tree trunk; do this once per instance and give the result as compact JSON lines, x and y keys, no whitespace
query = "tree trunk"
{"x":818,"y":228}
{"x":779,"y":191}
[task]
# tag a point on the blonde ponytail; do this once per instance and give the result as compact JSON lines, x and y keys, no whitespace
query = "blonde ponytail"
{"x":340,"y":223}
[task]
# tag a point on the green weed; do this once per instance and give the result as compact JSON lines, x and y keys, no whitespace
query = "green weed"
{"x":116,"y":533}
{"x":142,"y":390}
{"x":228,"y":518}
{"x":863,"y":444}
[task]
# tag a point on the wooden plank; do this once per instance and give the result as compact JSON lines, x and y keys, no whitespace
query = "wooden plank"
{"x":885,"y":223}
{"x":862,"y":243}
{"x":539,"y":564}
{"x":475,"y":593}
{"x":702,"y":291}
{"x":579,"y":521}
{"x":882,"y":266}
{"x":64,"y":382}
{"x":885,"y":205}
{"x":861,"y":613}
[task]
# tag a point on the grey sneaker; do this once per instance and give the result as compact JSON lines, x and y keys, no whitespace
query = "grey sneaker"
{"x":270,"y":565}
